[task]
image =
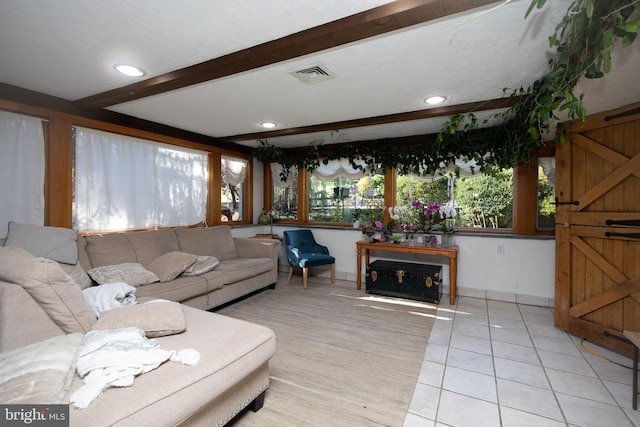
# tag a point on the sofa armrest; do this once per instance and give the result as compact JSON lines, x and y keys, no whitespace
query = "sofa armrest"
{"x":257,"y":248}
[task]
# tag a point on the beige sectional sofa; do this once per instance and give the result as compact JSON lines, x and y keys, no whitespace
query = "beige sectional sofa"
{"x":231,"y":374}
{"x":246,"y":265}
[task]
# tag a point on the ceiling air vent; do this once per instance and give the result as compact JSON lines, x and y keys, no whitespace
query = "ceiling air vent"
{"x":314,"y":74}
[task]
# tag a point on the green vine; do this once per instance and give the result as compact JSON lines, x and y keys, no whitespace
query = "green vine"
{"x":583,"y":41}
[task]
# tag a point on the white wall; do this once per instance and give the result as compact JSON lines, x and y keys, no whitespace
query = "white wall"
{"x":524,"y":273}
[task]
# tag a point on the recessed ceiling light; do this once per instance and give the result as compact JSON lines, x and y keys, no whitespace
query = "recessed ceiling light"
{"x":433,"y":100}
{"x":268,"y":125}
{"x":129,"y":70}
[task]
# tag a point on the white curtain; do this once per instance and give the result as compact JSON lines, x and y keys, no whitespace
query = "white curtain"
{"x":127,"y":183}
{"x":21,"y":170}
{"x":339,"y":167}
{"x":234,"y":170}
{"x":276,"y":179}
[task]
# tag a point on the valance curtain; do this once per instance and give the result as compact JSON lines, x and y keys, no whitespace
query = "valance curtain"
{"x":276,"y":170}
{"x":21,"y":170}
{"x":339,"y":167}
{"x":460,"y":167}
{"x":128,"y":183}
{"x":234,"y":170}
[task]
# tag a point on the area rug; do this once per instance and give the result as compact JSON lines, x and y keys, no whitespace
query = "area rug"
{"x":343,"y":357}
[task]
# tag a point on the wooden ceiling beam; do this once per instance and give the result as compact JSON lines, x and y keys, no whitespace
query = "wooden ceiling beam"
{"x":383,"y":19}
{"x":469,"y":107}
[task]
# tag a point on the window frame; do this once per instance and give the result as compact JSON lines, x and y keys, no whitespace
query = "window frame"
{"x":525,"y":178}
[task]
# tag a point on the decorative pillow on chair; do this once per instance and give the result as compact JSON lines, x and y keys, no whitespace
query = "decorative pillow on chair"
{"x":170,"y":265}
{"x":156,"y":317}
{"x":203,"y":265}
{"x":53,"y":289}
{"x":131,"y":273}
{"x":56,"y":243}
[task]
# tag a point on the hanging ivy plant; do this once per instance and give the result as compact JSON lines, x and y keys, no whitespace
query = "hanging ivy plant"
{"x":583,"y":40}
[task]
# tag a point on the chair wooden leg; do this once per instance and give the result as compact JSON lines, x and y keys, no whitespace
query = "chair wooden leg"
{"x":290,"y":273}
{"x":333,"y":273}
{"x":305,"y":274}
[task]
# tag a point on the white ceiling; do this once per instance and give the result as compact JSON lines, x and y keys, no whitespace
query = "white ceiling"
{"x":67,"y":49}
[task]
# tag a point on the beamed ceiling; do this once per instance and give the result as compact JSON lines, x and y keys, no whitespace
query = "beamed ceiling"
{"x":215,"y":70}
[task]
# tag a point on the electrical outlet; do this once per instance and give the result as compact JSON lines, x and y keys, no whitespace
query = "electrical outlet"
{"x":500,"y":248}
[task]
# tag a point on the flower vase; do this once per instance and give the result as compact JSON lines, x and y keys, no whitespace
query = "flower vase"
{"x":429,"y":240}
{"x":448,"y":240}
{"x":450,"y":222}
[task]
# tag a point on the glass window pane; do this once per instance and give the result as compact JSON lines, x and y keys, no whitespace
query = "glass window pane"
{"x":345,"y":200}
{"x":410,"y":188}
{"x":233,"y":173}
{"x":485,"y":201}
{"x":546,"y":194}
{"x":232,"y":202}
{"x":285,"y":197}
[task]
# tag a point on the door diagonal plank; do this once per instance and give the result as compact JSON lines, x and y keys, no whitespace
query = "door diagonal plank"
{"x":608,"y":183}
{"x":600,"y":150}
{"x":604,"y":265}
{"x":620,"y":291}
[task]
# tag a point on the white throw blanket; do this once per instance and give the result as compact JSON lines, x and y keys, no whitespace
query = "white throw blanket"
{"x":108,"y":296}
{"x":112,"y":358}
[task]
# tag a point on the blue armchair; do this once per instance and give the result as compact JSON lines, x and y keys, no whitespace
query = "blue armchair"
{"x":303,"y":251}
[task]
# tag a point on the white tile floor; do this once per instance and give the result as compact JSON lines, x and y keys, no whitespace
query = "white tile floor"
{"x":492,"y":363}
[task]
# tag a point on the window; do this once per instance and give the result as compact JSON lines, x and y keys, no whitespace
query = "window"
{"x":428,"y":191}
{"x":340,"y":193}
{"x":485,"y":201}
{"x":546,"y":217}
{"x":125,"y":183}
{"x":234,"y":172}
{"x":284,"y":194}
{"x":22,"y":169}
{"x":481,"y":201}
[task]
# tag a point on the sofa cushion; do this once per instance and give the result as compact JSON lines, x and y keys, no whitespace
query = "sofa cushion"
{"x":213,"y":241}
{"x":56,"y":243}
{"x":109,"y":249}
{"x":39,"y":373}
{"x":238,"y":269}
{"x":179,"y":289}
{"x":77,"y":274}
{"x":204,"y":264}
{"x":131,"y":273}
{"x":156,"y":318}
{"x":170,"y":265}
{"x":149,"y":245}
{"x":54,"y":290}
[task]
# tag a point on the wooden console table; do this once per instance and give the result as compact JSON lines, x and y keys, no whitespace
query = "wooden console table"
{"x":450,"y":252}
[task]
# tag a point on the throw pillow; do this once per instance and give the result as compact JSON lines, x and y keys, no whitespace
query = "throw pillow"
{"x":170,"y":265}
{"x":39,"y":373}
{"x":53,"y":289}
{"x":157,"y":318}
{"x":131,"y":273}
{"x":203,"y":265}
{"x":56,"y":243}
{"x":78,"y":274}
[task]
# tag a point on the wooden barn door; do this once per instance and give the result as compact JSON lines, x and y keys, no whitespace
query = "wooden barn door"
{"x":598,"y":228}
